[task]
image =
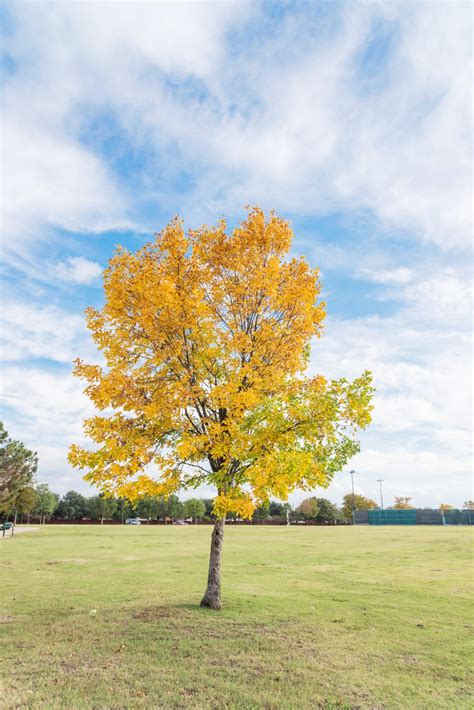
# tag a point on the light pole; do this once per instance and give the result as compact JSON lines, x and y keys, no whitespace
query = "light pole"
{"x":353,"y":499}
{"x":380,"y":481}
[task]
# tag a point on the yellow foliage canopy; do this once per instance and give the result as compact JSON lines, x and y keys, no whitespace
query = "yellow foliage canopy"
{"x":205,"y":338}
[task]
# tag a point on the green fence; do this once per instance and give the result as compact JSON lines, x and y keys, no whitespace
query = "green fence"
{"x":458,"y":517}
{"x":414,"y":517}
{"x":392,"y":517}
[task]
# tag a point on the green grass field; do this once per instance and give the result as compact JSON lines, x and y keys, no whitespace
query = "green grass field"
{"x":314,"y":617}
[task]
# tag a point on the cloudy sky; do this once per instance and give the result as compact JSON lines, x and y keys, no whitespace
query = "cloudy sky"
{"x":350,"y":119}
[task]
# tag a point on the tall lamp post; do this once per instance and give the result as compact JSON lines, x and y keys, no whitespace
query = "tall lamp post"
{"x":380,"y":481}
{"x":353,"y":499}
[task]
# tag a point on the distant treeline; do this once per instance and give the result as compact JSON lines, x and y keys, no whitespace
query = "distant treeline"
{"x":39,"y":503}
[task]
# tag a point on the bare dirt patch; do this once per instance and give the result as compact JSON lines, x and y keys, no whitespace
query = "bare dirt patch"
{"x":153,"y":613}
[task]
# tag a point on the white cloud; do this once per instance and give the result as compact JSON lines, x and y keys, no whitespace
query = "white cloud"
{"x":304,"y":131}
{"x":31,"y":331}
{"x":113,"y":55}
{"x":445,"y":297}
{"x":46,"y":410}
{"x":312,"y":141}
{"x":391,"y":277}
{"x":51,"y":182}
{"x":51,"y":403}
{"x":54,"y":470}
{"x":77,"y":270}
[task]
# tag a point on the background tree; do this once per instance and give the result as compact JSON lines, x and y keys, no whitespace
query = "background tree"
{"x":194,"y":509}
{"x":206,"y":338}
{"x":468,"y":505}
{"x":46,"y":502}
{"x":21,"y":504}
{"x":25,"y":502}
{"x":209,"y":505}
{"x":307,"y":509}
{"x":148,"y":507}
{"x":123,"y":509}
{"x":276,"y":508}
{"x":101,"y":508}
{"x":174,"y":507}
{"x":326,"y":512}
{"x":360,"y":502}
{"x":262,"y":512}
{"x":17,"y":468}
{"x":444,"y":507}
{"x":402,"y":503}
{"x":73,"y":506}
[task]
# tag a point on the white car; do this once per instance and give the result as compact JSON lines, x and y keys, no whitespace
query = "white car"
{"x":132,"y":521}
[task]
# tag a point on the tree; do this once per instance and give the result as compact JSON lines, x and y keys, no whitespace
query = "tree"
{"x":123,"y":509}
{"x":468,"y":505}
{"x":46,"y":502}
{"x":360,"y":503}
{"x":205,"y":339}
{"x":308,"y":509}
{"x":194,"y":508}
{"x":327,"y":512}
{"x":17,"y":468}
{"x":73,"y":506}
{"x":209,"y":505}
{"x":22,"y":504}
{"x":149,"y":508}
{"x":319,"y":509}
{"x":444,"y":507}
{"x":25,"y":502}
{"x":276,"y":508}
{"x":262,"y":512}
{"x":100,"y":508}
{"x":402,"y":503}
{"x":174,"y":507}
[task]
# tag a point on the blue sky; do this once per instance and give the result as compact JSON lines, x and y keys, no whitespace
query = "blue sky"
{"x":352,"y":120}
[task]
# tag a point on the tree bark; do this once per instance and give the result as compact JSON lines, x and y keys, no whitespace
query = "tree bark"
{"x":212,"y":597}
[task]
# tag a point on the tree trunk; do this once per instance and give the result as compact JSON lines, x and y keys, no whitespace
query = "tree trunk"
{"x":212,"y":597}
{"x":16,"y":515}
{"x":102,"y":520}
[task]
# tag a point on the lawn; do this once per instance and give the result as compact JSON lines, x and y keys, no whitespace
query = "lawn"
{"x":314,"y":617}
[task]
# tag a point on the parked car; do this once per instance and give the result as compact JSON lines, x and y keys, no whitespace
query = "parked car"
{"x":180,"y":522}
{"x":132,"y":521}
